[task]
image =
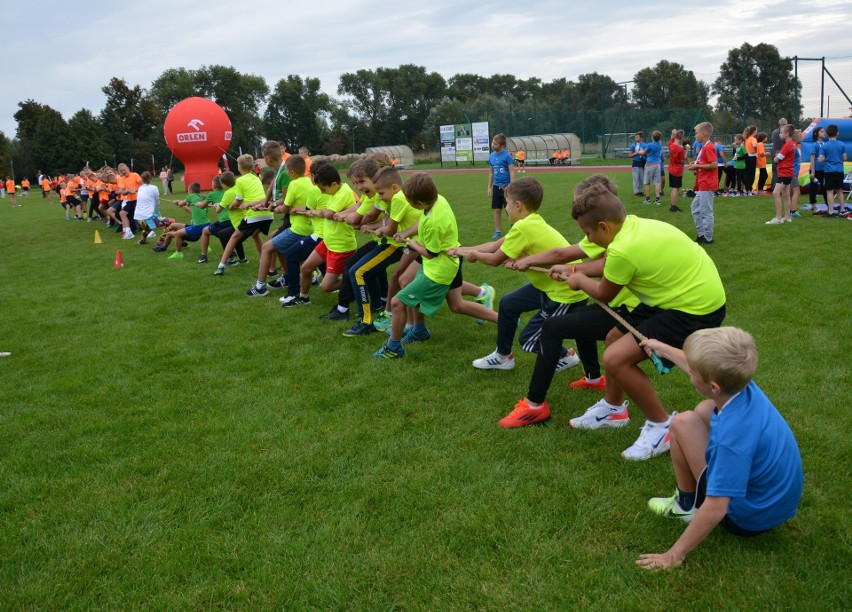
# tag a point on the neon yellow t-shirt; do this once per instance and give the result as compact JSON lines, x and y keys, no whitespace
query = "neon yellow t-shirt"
{"x":317,"y":200}
{"x":367,"y":204}
{"x":663,"y":267}
{"x":250,"y":189}
{"x":235,"y":215}
{"x":438,"y":232}
{"x":625,"y":297}
{"x":532,"y":235}
{"x":339,"y":237}
{"x":404,"y":214}
{"x":297,"y":196}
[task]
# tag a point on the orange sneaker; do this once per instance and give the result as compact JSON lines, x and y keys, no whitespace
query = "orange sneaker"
{"x":524,"y":415}
{"x":600,"y":385}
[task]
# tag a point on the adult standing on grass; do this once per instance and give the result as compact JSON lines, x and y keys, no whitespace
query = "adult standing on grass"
{"x":170,"y":177}
{"x":777,"y":143}
{"x":735,"y":459}
{"x":164,"y":177}
{"x":638,"y":164}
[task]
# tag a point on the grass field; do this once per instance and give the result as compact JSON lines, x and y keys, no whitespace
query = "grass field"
{"x":167,"y":442}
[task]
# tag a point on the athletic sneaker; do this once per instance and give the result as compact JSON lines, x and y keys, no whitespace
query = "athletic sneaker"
{"x":653,"y":440}
{"x":335,"y":315}
{"x":495,"y":361}
{"x":524,"y":415}
{"x":381,"y":322}
{"x":569,"y":361}
{"x":158,"y":248}
{"x":202,"y":259}
{"x":795,"y":215}
{"x":151,"y":234}
{"x":295,"y":300}
{"x":657,"y":201}
{"x":386,"y":353}
{"x":244,"y":261}
{"x":775,"y":221}
{"x":128,"y":237}
{"x":220,"y":271}
{"x":669,"y":508}
{"x":176,"y":255}
{"x":360,"y":329}
{"x":646,"y":201}
{"x":583,"y":383}
{"x":278,"y":283}
{"x":412,"y":336}
{"x":255,"y":292}
{"x":600,"y":416}
{"x":316,"y":278}
{"x":487,"y":300}
{"x":232,"y":261}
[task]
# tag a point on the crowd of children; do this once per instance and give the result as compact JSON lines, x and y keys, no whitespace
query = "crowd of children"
{"x":663,"y":287}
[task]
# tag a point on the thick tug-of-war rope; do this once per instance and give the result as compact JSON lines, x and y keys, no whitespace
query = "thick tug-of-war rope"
{"x":655,"y":359}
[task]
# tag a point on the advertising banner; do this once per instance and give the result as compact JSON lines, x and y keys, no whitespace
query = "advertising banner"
{"x":448,"y":143}
{"x":481,"y":141}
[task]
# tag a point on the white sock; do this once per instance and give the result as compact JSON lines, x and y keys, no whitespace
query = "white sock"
{"x":613,"y":406}
{"x":259,"y":285}
{"x":342,"y":309}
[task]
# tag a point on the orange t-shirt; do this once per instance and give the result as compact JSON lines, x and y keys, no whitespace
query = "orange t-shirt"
{"x":521,"y":155}
{"x":751,"y":145}
{"x":25,"y":183}
{"x":10,"y":186}
{"x":45,"y":184}
{"x":308,"y":162}
{"x":131,"y":182}
{"x":70,"y":189}
{"x":62,"y":198}
{"x":761,"y":155}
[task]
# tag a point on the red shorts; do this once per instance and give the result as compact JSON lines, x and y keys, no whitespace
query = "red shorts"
{"x":333,"y":261}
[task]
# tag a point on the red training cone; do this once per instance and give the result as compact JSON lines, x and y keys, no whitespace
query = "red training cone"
{"x":119,"y":262}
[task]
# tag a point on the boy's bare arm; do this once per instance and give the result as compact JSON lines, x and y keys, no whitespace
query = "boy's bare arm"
{"x":550,"y":257}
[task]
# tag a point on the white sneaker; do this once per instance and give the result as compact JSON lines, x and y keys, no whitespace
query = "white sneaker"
{"x":495,"y":361}
{"x":128,"y":236}
{"x":151,"y":234}
{"x":653,"y":440}
{"x":569,"y":361}
{"x":600,"y":416}
{"x":775,"y":221}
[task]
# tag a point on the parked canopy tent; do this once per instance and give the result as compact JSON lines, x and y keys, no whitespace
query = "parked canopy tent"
{"x":540,"y":148}
{"x":402,"y":153}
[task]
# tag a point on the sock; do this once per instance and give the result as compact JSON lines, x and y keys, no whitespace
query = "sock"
{"x":593,"y":380}
{"x":303,"y":295}
{"x":685,"y":500}
{"x":419,"y":327}
{"x":664,"y":423}
{"x":533,"y":405}
{"x":271,"y":272}
{"x":481,"y":294}
{"x":221,"y":266}
{"x":394,"y":344}
{"x":342,"y":309}
{"x":259,"y":284}
{"x":613,"y":406}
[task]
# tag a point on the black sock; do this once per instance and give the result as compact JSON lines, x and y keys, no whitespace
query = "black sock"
{"x":685,"y":500}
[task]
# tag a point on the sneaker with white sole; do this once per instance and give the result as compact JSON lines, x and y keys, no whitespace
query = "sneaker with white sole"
{"x":600,"y":416}
{"x":569,"y":361}
{"x":279,"y":283}
{"x":495,"y":361}
{"x":295,"y":300}
{"x":669,"y":508}
{"x":653,"y":440}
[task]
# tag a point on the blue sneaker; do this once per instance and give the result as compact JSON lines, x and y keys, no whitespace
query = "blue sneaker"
{"x":496,"y":235}
{"x":412,"y":336}
{"x":255,"y":292}
{"x":796,"y":215}
{"x":386,"y":353}
{"x":360,"y":329}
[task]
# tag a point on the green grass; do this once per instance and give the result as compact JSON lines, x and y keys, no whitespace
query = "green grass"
{"x":167,"y":442}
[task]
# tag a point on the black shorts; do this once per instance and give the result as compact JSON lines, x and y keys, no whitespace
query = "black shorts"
{"x":833,"y":180}
{"x":670,"y":326}
{"x":498,"y":197}
{"x":458,"y":280}
{"x":71,"y":201}
{"x":219,"y":226}
{"x":784,"y":180}
{"x":247,"y":228}
{"x":727,"y":523}
{"x":675,"y":182}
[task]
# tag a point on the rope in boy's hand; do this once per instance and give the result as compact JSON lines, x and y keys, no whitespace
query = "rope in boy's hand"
{"x":655,"y":359}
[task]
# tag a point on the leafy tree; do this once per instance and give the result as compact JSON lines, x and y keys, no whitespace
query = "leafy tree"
{"x":89,"y":138}
{"x":27,"y":116}
{"x":131,"y":119}
{"x":52,"y":145}
{"x":5,"y":156}
{"x":174,"y":85}
{"x":447,"y":111}
{"x":295,"y":113}
{"x":596,"y":92}
{"x":756,"y":83}
{"x":465,"y":87}
{"x":669,"y":85}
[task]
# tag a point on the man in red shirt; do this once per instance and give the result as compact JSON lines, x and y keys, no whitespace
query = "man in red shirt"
{"x":705,"y":184}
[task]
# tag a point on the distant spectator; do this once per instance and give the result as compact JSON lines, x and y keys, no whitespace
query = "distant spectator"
{"x":777,"y":143}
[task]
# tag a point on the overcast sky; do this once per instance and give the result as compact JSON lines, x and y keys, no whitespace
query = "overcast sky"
{"x":59,"y":55}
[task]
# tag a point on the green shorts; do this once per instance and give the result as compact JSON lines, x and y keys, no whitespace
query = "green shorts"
{"x":424,"y":294}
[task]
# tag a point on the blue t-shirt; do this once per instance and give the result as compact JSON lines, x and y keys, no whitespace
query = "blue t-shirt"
{"x":752,"y":458}
{"x":833,"y":151}
{"x":797,"y":163}
{"x":816,"y":151}
{"x":720,"y":149}
{"x":653,"y":152}
{"x":696,"y":149}
{"x":501,"y":162}
{"x":638,"y":160}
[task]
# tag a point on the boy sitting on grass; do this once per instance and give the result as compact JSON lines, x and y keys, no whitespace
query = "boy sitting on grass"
{"x":196,"y":206}
{"x":735,"y":459}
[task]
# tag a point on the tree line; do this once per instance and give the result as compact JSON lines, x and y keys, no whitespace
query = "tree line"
{"x":384,"y":106}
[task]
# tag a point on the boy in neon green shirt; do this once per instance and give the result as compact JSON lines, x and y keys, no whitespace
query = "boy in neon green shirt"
{"x":680,"y":290}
